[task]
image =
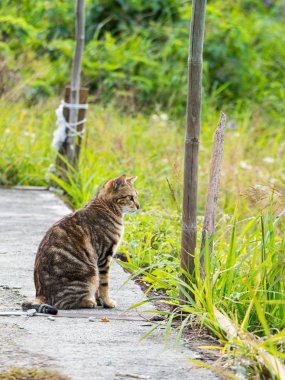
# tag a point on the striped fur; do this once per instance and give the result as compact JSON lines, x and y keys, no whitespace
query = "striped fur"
{"x":73,"y":260}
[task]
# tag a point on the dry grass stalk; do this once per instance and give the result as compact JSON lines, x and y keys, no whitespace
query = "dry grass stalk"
{"x":249,"y":341}
{"x":213,"y":189}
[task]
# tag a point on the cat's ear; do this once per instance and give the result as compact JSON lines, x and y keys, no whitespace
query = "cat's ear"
{"x":132,"y":179}
{"x":119,"y":182}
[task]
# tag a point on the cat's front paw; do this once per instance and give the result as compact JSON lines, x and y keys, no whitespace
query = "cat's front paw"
{"x":109,"y":303}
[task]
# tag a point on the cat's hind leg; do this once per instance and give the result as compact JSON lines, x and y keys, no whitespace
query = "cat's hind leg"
{"x":90,"y":300}
{"x":76,"y":301}
{"x":88,"y":303}
{"x":78,"y":295}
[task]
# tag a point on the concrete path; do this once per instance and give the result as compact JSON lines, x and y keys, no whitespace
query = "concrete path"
{"x":76,"y":347}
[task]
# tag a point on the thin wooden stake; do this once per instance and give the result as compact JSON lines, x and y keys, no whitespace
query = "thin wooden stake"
{"x":191,"y":150}
{"x":83,"y":95}
{"x":213,"y":190}
{"x":75,"y":78}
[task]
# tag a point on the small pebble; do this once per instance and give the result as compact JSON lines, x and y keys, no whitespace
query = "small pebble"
{"x":31,"y":312}
{"x":92,"y":319}
{"x":51,"y":318}
{"x":21,"y":327}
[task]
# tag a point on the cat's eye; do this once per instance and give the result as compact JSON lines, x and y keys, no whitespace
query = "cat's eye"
{"x":131,"y":198}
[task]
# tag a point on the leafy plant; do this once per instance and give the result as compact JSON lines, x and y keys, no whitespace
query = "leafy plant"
{"x":137,"y":51}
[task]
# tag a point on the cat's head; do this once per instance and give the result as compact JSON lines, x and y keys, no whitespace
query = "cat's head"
{"x":122,"y":193}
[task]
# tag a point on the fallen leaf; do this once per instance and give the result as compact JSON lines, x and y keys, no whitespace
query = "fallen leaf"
{"x":104,"y":319}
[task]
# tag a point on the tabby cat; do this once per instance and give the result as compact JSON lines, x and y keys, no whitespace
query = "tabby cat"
{"x":73,"y":260}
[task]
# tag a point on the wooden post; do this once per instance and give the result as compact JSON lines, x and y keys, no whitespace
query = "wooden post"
{"x":70,"y":149}
{"x":75,"y":78}
{"x":191,"y":150}
{"x":83,"y":95}
{"x":213,"y":190}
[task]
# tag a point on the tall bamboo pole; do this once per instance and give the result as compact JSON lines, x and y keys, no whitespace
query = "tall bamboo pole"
{"x":75,"y":77}
{"x":193,"y":126}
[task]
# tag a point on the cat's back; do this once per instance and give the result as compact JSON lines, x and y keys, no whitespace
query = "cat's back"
{"x":70,"y":236}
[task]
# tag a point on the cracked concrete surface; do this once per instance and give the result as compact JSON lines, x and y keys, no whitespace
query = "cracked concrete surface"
{"x":74,"y":346}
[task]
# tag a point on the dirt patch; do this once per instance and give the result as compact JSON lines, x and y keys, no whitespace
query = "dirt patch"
{"x":31,"y":374}
{"x":198,"y":339}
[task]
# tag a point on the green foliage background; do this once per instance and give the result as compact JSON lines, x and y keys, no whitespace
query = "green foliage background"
{"x":137,"y":51}
{"x":135,"y":60}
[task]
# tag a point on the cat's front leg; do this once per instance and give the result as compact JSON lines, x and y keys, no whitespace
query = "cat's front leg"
{"x":104,"y":284}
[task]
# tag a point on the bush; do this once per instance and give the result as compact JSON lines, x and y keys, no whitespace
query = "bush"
{"x":136,"y":51}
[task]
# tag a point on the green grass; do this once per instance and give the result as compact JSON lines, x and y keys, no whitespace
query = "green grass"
{"x":245,"y":279}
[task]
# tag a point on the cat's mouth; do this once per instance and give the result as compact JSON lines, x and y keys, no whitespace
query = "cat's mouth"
{"x":132,"y":211}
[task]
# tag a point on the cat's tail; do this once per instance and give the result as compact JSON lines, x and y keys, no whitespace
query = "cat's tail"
{"x":39,"y":307}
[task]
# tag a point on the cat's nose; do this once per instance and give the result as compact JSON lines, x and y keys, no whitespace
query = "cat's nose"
{"x":138,"y":206}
